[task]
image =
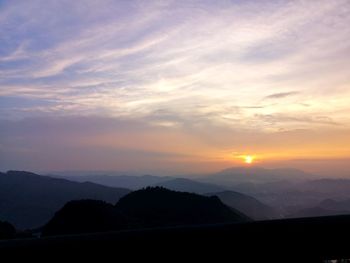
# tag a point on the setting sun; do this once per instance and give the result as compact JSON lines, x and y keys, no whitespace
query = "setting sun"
{"x":248,"y":159}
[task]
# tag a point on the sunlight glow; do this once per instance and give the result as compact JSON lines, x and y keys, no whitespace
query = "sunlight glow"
{"x":248,"y":159}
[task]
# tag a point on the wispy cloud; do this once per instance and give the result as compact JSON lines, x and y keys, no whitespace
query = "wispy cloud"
{"x":281,"y":95}
{"x":161,"y":54}
{"x":190,"y":65}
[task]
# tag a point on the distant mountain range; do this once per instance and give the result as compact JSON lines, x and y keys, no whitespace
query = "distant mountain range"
{"x":305,"y":195}
{"x":338,"y":188}
{"x":336,"y":205}
{"x":191,"y":186}
{"x":256,"y":175}
{"x":242,"y":179}
{"x":227,"y":177}
{"x":137,"y":182}
{"x":133,"y":182}
{"x":246,"y":204}
{"x":28,"y":200}
{"x":284,"y":190}
{"x":150,"y":207}
{"x":324,"y":208}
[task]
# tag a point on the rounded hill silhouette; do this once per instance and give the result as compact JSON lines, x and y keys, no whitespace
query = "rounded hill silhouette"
{"x":149,"y":207}
{"x":156,"y":206}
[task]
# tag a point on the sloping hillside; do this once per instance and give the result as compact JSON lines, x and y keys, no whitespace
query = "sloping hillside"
{"x":28,"y":200}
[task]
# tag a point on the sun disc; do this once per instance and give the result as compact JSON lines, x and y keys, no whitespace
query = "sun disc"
{"x":248,"y":159}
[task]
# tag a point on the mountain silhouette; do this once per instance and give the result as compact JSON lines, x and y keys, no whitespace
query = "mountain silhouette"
{"x":149,"y":207}
{"x":28,"y":200}
{"x":336,"y":205}
{"x":339,"y":188}
{"x":316,"y":212}
{"x":191,"y":186}
{"x":325,"y":208}
{"x":160,"y":206}
{"x":247,"y":205}
{"x":127,"y":181}
{"x":257,"y":175}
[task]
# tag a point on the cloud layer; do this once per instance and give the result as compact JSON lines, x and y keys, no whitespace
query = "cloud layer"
{"x":229,"y":67}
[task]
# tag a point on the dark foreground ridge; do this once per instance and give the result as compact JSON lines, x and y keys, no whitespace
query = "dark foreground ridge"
{"x":7,"y":231}
{"x":296,"y":240}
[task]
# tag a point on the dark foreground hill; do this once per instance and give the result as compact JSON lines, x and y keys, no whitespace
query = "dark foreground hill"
{"x":150,"y":207}
{"x":86,"y":216}
{"x":29,"y":200}
{"x":160,"y":206}
{"x":7,"y":231}
{"x":291,"y":240}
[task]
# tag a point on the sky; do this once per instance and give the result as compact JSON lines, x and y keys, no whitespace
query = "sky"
{"x":175,"y":86}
